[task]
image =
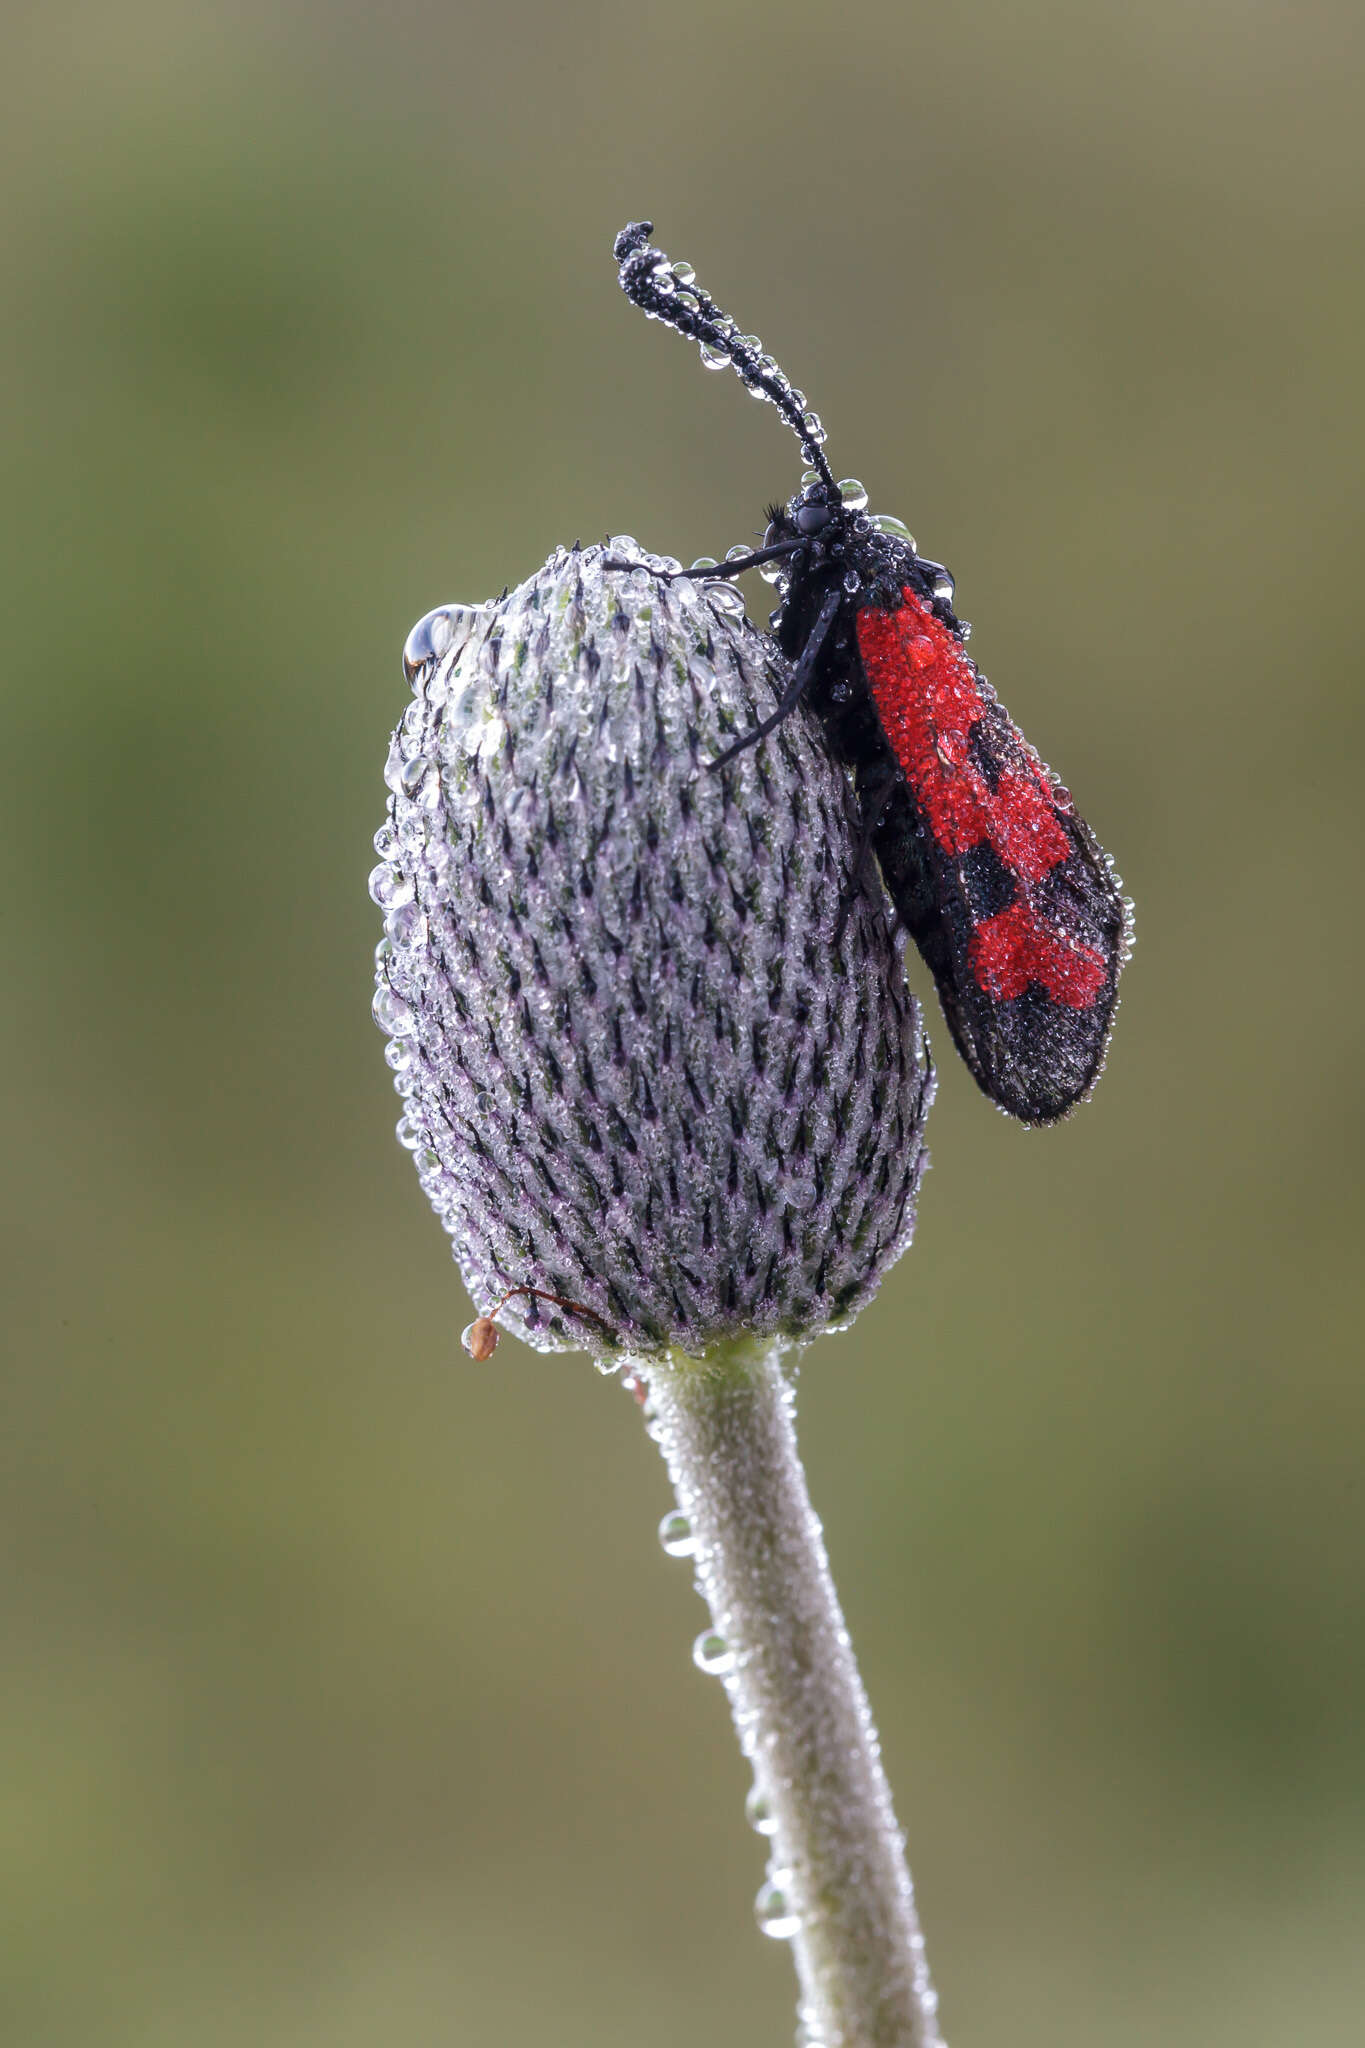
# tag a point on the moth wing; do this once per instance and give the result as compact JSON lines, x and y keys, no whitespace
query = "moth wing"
{"x":1013,"y":904}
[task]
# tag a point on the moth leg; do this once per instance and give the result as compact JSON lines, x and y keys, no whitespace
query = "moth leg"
{"x":796,"y":688}
{"x":738,"y":566}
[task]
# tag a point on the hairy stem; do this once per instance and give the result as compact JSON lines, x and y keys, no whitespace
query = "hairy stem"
{"x":725,"y":1426}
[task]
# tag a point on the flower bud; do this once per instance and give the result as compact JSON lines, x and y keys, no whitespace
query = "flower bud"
{"x":657,"y":1090}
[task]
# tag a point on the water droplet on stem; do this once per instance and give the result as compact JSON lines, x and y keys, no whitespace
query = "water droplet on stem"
{"x":675,"y":1534}
{"x":712,"y":1654}
{"x":773,"y":1909}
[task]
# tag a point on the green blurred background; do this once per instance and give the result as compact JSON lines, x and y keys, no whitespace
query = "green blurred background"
{"x":347,"y":1695}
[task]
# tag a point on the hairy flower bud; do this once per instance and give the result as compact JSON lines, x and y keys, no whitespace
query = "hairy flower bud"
{"x":655,"y":1087}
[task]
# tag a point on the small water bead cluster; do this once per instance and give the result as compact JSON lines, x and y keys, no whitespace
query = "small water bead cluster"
{"x":776,"y":1905}
{"x":638,"y":1077}
{"x":761,"y":375}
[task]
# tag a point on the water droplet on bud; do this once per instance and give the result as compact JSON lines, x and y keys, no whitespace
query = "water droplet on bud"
{"x":389,"y":886}
{"x":428,"y":641}
{"x":726,"y":599}
{"x":392,"y":1014}
{"x":406,"y":926}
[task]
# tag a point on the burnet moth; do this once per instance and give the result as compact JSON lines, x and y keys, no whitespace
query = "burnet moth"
{"x":1012,"y":902}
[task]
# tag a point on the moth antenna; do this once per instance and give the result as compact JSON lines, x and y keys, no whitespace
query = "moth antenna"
{"x":649,"y":282}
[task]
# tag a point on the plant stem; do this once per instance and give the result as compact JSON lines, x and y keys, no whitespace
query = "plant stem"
{"x":726,"y":1427}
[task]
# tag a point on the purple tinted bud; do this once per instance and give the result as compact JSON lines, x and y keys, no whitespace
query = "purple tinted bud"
{"x":638,"y":1072}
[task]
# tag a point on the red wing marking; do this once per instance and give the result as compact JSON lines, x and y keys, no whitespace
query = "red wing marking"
{"x":928,"y":698}
{"x":1015,"y":947}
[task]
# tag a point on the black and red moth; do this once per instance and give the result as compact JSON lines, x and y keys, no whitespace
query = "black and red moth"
{"x":1015,"y":907}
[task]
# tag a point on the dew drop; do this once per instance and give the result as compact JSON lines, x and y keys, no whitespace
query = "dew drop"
{"x":389,"y":886}
{"x":774,"y":1912}
{"x":414,"y":774}
{"x":773,"y":572}
{"x":712,"y":358}
{"x":814,"y":426}
{"x":675,"y":1534}
{"x":758,"y":1812}
{"x":393,"y":766}
{"x":852,"y":582}
{"x":944,"y":586}
{"x":625,"y":544}
{"x":737,"y":553}
{"x":712,"y":1654}
{"x":706,"y":562}
{"x":386,"y":840}
{"x":921,"y":651}
{"x":809,"y":476}
{"x":886,"y":522}
{"x":392,"y":1014}
{"x":427,"y":641}
{"x":398,"y":1055}
{"x":726,"y":599}
{"x":750,"y":341}
{"x":407,"y":1134}
{"x":485,"y":736}
{"x":684,"y":273}
{"x":853,"y":493}
{"x":406,"y":926}
{"x":689,"y":302}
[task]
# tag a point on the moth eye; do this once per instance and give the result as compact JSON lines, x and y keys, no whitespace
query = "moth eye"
{"x":811,"y":518}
